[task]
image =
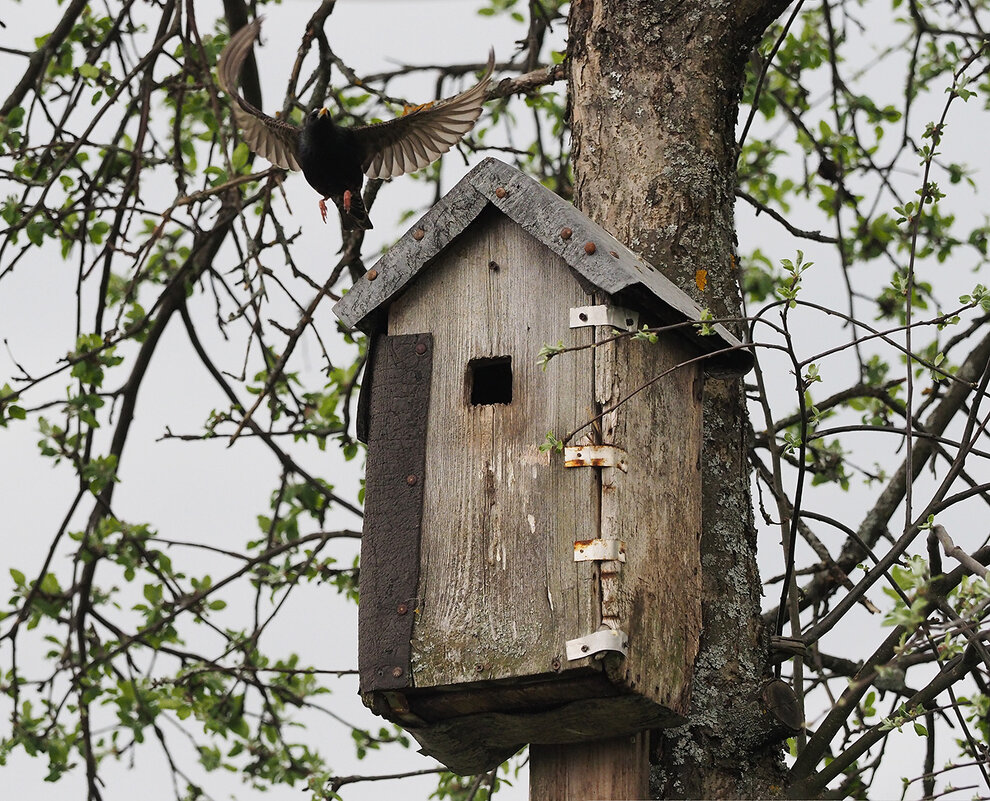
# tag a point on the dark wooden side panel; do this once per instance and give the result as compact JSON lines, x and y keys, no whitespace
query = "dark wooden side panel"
{"x":398,"y":406}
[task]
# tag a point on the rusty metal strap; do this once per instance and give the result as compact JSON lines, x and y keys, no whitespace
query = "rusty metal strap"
{"x":603,"y":640}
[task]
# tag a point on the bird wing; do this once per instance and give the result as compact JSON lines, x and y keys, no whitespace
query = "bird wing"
{"x":419,"y":138}
{"x":271,"y":138}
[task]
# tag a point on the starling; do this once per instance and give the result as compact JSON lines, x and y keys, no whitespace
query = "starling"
{"x":335,"y":159}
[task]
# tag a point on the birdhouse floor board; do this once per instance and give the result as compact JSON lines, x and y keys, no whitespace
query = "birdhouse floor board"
{"x":456,"y":742}
{"x":537,"y":694}
{"x":499,"y":588}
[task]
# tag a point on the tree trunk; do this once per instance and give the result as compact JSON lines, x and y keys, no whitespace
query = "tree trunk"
{"x":655,"y":86}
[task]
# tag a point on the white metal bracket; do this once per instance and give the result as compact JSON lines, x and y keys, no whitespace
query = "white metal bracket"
{"x":604,"y":640}
{"x":599,"y":551}
{"x":595,"y":456}
{"x":615,"y":316}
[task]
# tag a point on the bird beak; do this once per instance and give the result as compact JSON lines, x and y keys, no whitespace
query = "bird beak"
{"x":322,"y":112}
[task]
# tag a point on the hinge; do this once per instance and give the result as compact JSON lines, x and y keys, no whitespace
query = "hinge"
{"x":615,"y":316}
{"x":595,"y":456}
{"x":604,"y":640}
{"x":599,"y":551}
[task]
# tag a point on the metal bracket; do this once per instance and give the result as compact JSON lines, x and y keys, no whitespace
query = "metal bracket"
{"x":599,"y":551}
{"x":595,"y":456}
{"x":604,"y":640}
{"x":615,"y":316}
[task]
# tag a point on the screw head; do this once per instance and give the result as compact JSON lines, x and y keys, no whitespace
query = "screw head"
{"x":479,"y":668}
{"x":411,"y":480}
{"x":371,"y":275}
{"x":589,"y":248}
{"x":555,"y":664}
{"x":418,"y":234}
{"x":585,"y":649}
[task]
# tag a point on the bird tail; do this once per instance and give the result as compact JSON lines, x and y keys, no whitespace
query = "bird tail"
{"x":356,"y":218}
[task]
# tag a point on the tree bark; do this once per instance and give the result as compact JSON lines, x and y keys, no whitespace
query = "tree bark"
{"x":655,"y":86}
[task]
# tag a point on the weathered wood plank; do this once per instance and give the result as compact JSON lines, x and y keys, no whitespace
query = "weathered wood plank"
{"x":616,"y":769}
{"x":398,"y":405}
{"x":655,"y":508}
{"x":499,"y":589}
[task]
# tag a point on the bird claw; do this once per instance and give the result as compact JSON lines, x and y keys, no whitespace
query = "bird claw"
{"x":347,"y":200}
{"x":323,"y":209}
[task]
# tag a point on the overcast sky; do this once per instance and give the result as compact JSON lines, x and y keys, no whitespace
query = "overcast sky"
{"x":201,"y":491}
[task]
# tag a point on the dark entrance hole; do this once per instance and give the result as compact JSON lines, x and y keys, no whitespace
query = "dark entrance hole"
{"x":490,"y":380}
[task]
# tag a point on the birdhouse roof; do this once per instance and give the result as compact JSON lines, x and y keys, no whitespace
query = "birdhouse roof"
{"x":610,"y":266}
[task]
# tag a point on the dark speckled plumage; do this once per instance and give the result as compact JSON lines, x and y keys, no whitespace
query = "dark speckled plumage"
{"x":335,"y":159}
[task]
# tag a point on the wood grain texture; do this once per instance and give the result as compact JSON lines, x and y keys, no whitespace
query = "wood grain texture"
{"x":655,"y":508}
{"x":616,"y":769}
{"x":398,"y":403}
{"x":499,"y":589}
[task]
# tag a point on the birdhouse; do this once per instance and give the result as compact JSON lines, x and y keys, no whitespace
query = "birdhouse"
{"x":512,"y":592}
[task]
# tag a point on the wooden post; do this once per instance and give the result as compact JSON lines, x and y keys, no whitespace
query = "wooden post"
{"x":604,"y":770}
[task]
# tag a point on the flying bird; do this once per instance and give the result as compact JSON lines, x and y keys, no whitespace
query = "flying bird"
{"x":335,"y":159}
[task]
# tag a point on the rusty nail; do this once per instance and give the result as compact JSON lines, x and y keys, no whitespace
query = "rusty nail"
{"x":418,"y":234}
{"x":493,"y":266}
{"x":402,"y":609}
{"x":411,"y":480}
{"x":500,"y":192}
{"x":372,"y":274}
{"x":420,"y":349}
{"x":396,"y":672}
{"x":613,"y":254}
{"x":565,"y":233}
{"x":589,"y":248}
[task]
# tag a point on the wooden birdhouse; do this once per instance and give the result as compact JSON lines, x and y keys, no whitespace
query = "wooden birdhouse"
{"x":513,"y":594}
